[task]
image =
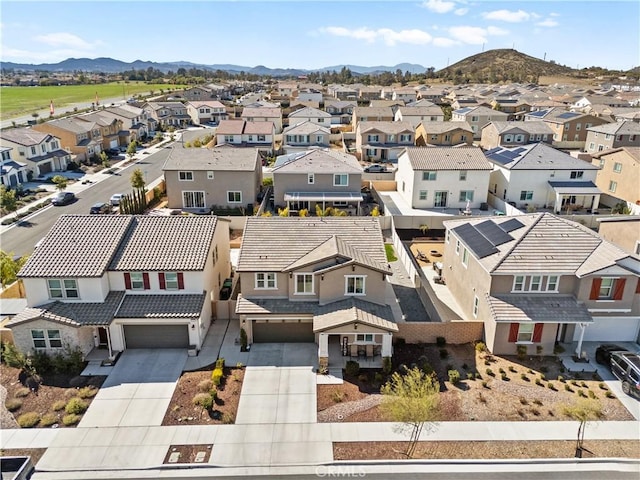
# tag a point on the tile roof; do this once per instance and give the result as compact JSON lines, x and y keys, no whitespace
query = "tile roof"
{"x":71,"y":125}
{"x":305,"y":128}
{"x":262,"y":112}
{"x":317,"y":161}
{"x":538,"y":308}
{"x":263,"y":248}
{"x":385,"y":127}
{"x":309,"y":112}
{"x":481,"y":110}
{"x":258,"y":128}
{"x":24,"y":136}
{"x":536,"y":156}
{"x":447,"y":158}
{"x":617,"y":128}
{"x":351,"y":310}
{"x":540,"y":128}
{"x":420,"y":111}
{"x":230,"y":127}
{"x":162,"y":306}
{"x":215,"y":159}
{"x":439,"y":126}
{"x":373,"y":112}
{"x":633,"y":152}
{"x":280,"y":306}
{"x":76,"y":314}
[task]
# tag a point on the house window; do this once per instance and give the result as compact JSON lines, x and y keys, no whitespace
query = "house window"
{"x":311,"y":178}
{"x":448,"y":236}
{"x":261,"y":138}
{"x":535,"y":283}
{"x":476,"y":304}
{"x":422,"y":195}
{"x":185,"y":176}
{"x":526,"y":195}
{"x":209,"y":175}
{"x":466,"y":196}
{"x":474,"y":119}
{"x":525,"y":332}
{"x":578,"y":126}
{"x":266,"y":280}
{"x":577,"y":174}
{"x":463,"y":175}
{"x":171,"y":281}
{"x":354,"y":285}
{"x":46,"y":339}
{"x":405,"y":138}
{"x":617,"y":167}
{"x":552,"y":283}
{"x":602,"y":163}
{"x":457,"y":247}
{"x":612,"y":186}
{"x":304,"y":283}
{"x":228,"y":139}
{"x":518,"y":283}
{"x":465,"y":257}
{"x":364,"y":338}
{"x":33,"y":150}
{"x":137,"y":280}
{"x":372,"y":138}
{"x":62,"y":288}
{"x":234,"y":197}
{"x":430,"y":176}
{"x":340,"y":180}
{"x":606,"y":288}
{"x":192,"y":199}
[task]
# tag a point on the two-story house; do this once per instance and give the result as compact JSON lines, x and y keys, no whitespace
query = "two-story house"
{"x":82,"y":139}
{"x":301,"y":136}
{"x":612,"y":135}
{"x":537,"y":279}
{"x":168,"y":114}
{"x":199,"y":93}
{"x":265,"y":115}
{"x":569,"y":128}
{"x":326,"y":285}
{"x":12,"y":173}
{"x":203,"y":178}
{"x":383,"y":141}
{"x":478,"y":117}
{"x":136,"y":124}
{"x":514,"y":107}
{"x":417,"y":115}
{"x":123,"y":281}
{"x":340,"y":111}
{"x":308,"y":114}
{"x":206,"y":112}
{"x":241,"y":133}
{"x":508,"y":134}
{"x":444,"y":134}
{"x":110,"y":128}
{"x":443,"y":177}
{"x":41,"y":152}
{"x":619,"y":177}
{"x":371,"y":114}
{"x":318,"y":177}
{"x":404,"y":94}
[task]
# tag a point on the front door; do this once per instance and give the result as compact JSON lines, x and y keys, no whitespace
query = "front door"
{"x":102,"y":336}
{"x":440,"y":199}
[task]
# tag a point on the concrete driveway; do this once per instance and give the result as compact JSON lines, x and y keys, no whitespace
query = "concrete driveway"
{"x":138,"y":390}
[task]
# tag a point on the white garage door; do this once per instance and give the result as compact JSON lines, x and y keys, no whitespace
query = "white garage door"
{"x":610,"y":329}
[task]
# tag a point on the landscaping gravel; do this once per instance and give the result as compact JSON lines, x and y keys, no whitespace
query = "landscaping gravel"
{"x":341,"y":411}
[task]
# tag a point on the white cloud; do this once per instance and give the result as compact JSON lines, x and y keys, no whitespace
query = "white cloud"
{"x":386,"y":35}
{"x":549,"y":22}
{"x":63,"y":39}
{"x":444,"y":42}
{"x":439,"y":6}
{"x":475,"y":35}
{"x":507,"y":16}
{"x":497,"y":31}
{"x":461,"y":11}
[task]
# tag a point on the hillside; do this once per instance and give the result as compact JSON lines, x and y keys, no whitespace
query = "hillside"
{"x":501,"y":65}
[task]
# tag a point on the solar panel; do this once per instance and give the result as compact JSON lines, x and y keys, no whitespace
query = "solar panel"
{"x":511,"y":225}
{"x":476,"y":242}
{"x":493,"y":233}
{"x":568,"y":115}
{"x":519,"y":150}
{"x":510,"y":154}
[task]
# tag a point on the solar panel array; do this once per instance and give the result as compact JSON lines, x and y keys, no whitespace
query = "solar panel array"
{"x":539,"y":113}
{"x":568,"y":115}
{"x":476,"y":242}
{"x":511,"y":225}
{"x":503,"y":155}
{"x":493,"y":233}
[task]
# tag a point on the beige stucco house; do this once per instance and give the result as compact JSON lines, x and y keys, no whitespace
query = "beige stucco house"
{"x":82,"y":139}
{"x":619,"y":176}
{"x":444,"y":134}
{"x":41,"y":152}
{"x":264,"y":114}
{"x":383,"y":141}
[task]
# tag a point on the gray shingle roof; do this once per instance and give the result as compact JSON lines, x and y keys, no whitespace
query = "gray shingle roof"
{"x":447,"y":158}
{"x":72,"y":125}
{"x":373,"y":111}
{"x":536,"y":156}
{"x":261,"y":112}
{"x":538,"y":308}
{"x":617,"y":128}
{"x":280,"y":306}
{"x":420,"y":111}
{"x":272,"y":244}
{"x":216,"y":159}
{"x":24,"y":136}
{"x":318,"y":161}
{"x":162,"y":306}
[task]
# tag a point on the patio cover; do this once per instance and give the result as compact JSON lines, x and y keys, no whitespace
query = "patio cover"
{"x":353,"y":310}
{"x":323,"y":197}
{"x":538,"y":309}
{"x":575,"y":188}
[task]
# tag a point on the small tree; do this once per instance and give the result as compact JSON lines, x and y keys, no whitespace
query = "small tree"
{"x":413,"y":400}
{"x":60,"y":182}
{"x":9,"y":267}
{"x":104,"y":159}
{"x":131,"y":150}
{"x":137,"y":180}
{"x":583,"y":410}
{"x":8,"y":200}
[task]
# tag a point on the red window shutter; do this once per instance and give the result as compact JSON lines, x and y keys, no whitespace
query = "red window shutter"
{"x":638,"y":286}
{"x":513,"y":332}
{"x":127,"y":280}
{"x":180,"y":281}
{"x":161,"y":280}
{"x":618,"y":288}
{"x":145,"y":280}
{"x":537,"y":332}
{"x":595,"y":288}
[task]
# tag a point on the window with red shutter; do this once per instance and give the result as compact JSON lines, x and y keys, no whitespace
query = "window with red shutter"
{"x":595,"y":289}
{"x":180,"y":281}
{"x":145,"y":281}
{"x":618,"y":288}
{"x":513,"y":332}
{"x":161,"y":280}
{"x":127,"y":280}
{"x":638,"y":286}
{"x":537,"y":332}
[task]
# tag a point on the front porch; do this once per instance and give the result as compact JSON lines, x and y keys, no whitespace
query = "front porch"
{"x":338,"y":358}
{"x":571,"y":197}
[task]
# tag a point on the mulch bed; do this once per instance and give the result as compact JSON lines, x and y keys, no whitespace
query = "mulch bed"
{"x":182,"y":411}
{"x":485,"y":450}
{"x":188,"y":453}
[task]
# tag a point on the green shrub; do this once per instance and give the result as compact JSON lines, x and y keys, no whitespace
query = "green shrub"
{"x":227,"y":418}
{"x":487,"y":362}
{"x":523,"y":377}
{"x":485,"y":384}
{"x":480,"y":347}
{"x":551,"y":386}
{"x":538,"y":381}
{"x":602,"y":386}
{"x":524,"y":401}
{"x":87,"y":392}
{"x":59,"y":405}
{"x":560,"y":378}
{"x":609,"y":394}
{"x":537,"y":402}
{"x":22,"y":392}
{"x":512,"y":369}
{"x":489,"y":372}
{"x":13,"y":404}
{"x":542,"y":376}
{"x":581,"y":393}
{"x":454,"y":376}
{"x":568,"y":388}
{"x":204,"y":400}
{"x":444,"y":353}
{"x":471,"y":376}
{"x":352,"y":368}
{"x":48,"y":419}
{"x":521,"y":351}
{"x":504,"y":377}
{"x":387,"y":365}
{"x":216,"y":376}
{"x":338,"y":396}
{"x":441,"y":341}
{"x":76,"y":405}
{"x":29,"y":419}
{"x":501,"y":371}
{"x":70,"y":419}
{"x":592,"y":394}
{"x":205,"y":385}
{"x":220,"y":363}
{"x":12,"y":356}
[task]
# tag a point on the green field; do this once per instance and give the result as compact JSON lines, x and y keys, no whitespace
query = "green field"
{"x":17,"y":101}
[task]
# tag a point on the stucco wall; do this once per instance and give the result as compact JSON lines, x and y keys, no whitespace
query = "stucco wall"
{"x":453,"y":332}
{"x":73,"y":337}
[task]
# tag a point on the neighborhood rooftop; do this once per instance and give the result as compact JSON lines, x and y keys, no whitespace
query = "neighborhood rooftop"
{"x":536,"y":156}
{"x":447,"y":158}
{"x":228,"y":159}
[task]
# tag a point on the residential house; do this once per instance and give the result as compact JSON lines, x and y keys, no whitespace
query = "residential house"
{"x":508,"y":134}
{"x":538,"y":279}
{"x":569,"y":128}
{"x":82,"y":139}
{"x":370,"y":92}
{"x":303,"y":135}
{"x":392,"y":104}
{"x":199,"y":93}
{"x":136,"y":124}
{"x":621,"y":230}
{"x":309,"y":95}
{"x":515,"y":107}
{"x":241,"y":133}
{"x":371,"y":114}
{"x":206,"y":112}
{"x":342,"y":92}
{"x":626,"y":114}
{"x":433,"y":94}
{"x":123,"y":281}
{"x":539,"y":176}
{"x":327,"y":285}
{"x":588,"y":103}
{"x":612,"y":135}
{"x":264,"y":114}
{"x":383,"y":141}
{"x":308,"y":114}
{"x":619,"y":177}
{"x":418,"y":115}
{"x":340,"y":111}
{"x":444,"y":134}
{"x":404,"y":94}
{"x":168,"y":114}
{"x":443,"y":177}
{"x":467,"y":102}
{"x":478,"y":117}
{"x":198,"y":179}
{"x":12,"y":173}
{"x":109,"y":126}
{"x":317,"y":178}
{"x":41,"y":152}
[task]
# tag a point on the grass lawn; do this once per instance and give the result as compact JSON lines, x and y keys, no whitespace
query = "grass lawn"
{"x":15,"y":101}
{"x":391,"y":254}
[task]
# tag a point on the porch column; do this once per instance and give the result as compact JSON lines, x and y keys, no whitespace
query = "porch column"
{"x":323,"y":350}
{"x":596,"y":202}
{"x":387,"y":349}
{"x":557,"y":207}
{"x":109,"y":343}
{"x":583,"y":327}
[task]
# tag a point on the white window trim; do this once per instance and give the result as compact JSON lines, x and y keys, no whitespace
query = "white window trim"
{"x":265,"y":281}
{"x":141,"y":287}
{"x":476,"y":306}
{"x":539,"y":289}
{"x":311,"y":178}
{"x":524,"y":280}
{"x":166,"y":281}
{"x":210,"y":175}
{"x":465,"y":257}
{"x":336,"y":175}
{"x":295,"y":283}
{"x":234,"y":201}
{"x":364,"y":285}
{"x":63,"y":289}
{"x":364,"y":340}
{"x":525,"y":342}
{"x":185,"y":179}
{"x":46,"y":338}
{"x":549,"y":281}
{"x":457,"y":247}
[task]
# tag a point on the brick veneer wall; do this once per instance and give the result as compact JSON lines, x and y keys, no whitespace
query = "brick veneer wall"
{"x":427,"y":332}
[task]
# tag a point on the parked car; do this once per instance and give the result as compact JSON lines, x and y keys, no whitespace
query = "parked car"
{"x":626,"y":367}
{"x":603,"y":353}
{"x":63,"y":198}
{"x":100,"y":207}
{"x":115,"y":199}
{"x":375,"y":168}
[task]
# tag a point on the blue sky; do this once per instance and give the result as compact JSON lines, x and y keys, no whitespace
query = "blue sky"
{"x":314,"y":34}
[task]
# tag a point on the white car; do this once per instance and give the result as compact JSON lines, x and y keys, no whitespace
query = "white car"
{"x":115,"y":199}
